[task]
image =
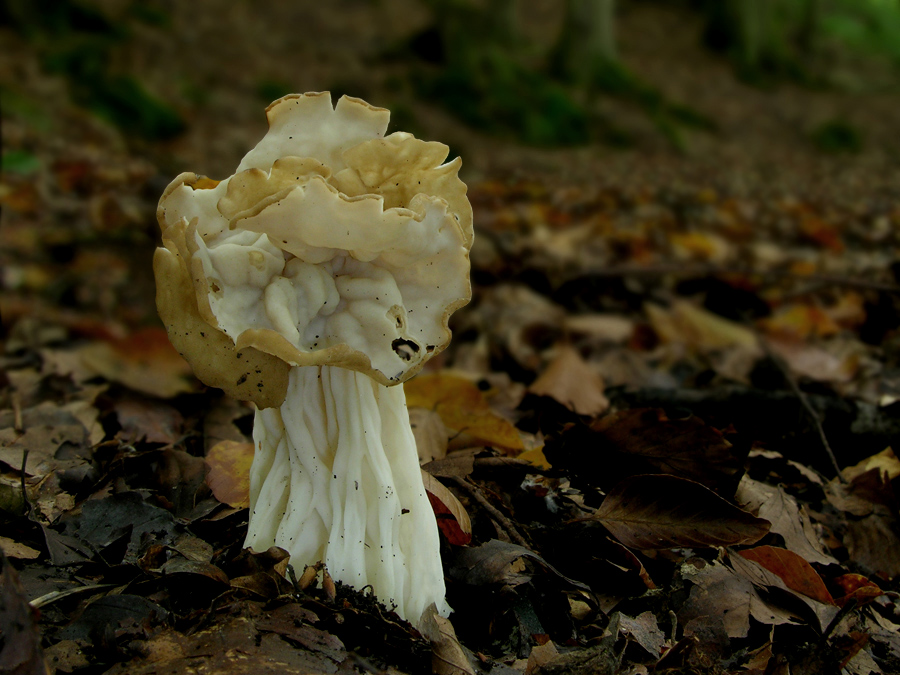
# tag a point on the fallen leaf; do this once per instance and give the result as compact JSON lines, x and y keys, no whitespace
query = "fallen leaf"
{"x":761,"y":577}
{"x":46,"y":428}
{"x":856,"y":587}
{"x":569,"y":380}
{"x":798,"y":321}
{"x":144,"y":361}
{"x":20,"y":647}
{"x":644,"y":630}
{"x":885,"y":461}
{"x":658,"y":511}
{"x":788,"y":519}
{"x":452,"y":518}
{"x":148,"y":420}
{"x":698,"y":328}
{"x":536,"y":457}
{"x":15,"y":549}
{"x":490,"y":564}
{"x":815,"y":362}
{"x":793,"y":570}
{"x":463,"y":407}
{"x":722,"y":602}
{"x":600,"y":327}
{"x":459,"y":464}
{"x":430,"y":433}
{"x":539,"y":656}
{"x":229,"y":472}
{"x":638,"y":441}
{"x":873,"y":543}
{"x":447,"y":654}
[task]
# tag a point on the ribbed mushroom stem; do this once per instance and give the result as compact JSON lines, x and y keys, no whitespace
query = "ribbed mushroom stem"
{"x":336,"y":478}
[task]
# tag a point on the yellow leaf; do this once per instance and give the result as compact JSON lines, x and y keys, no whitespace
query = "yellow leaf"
{"x":885,"y":461}
{"x":463,"y":407}
{"x":536,"y":456}
{"x":698,"y":328}
{"x":229,"y":472}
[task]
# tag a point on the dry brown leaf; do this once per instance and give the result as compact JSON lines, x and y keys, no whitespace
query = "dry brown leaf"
{"x":463,"y":407}
{"x":46,"y":428}
{"x":659,"y":511}
{"x":229,"y":472}
{"x":148,"y":420}
{"x":572,"y":382}
{"x":644,"y":440}
{"x":873,"y":543}
{"x":788,"y":519}
{"x":540,"y":655}
{"x":721,"y":601}
{"x":815,"y":362}
{"x":16,"y":549}
{"x":794,"y":571}
{"x":144,"y":361}
{"x":644,"y":630}
{"x":430,"y":433}
{"x":448,"y":656}
{"x":761,"y":577}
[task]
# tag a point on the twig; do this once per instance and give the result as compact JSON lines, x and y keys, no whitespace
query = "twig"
{"x":26,"y":505}
{"x":18,"y":424}
{"x":490,"y":508}
{"x":803,"y":398}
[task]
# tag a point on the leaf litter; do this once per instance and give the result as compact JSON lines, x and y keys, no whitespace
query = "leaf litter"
{"x":624,"y":479}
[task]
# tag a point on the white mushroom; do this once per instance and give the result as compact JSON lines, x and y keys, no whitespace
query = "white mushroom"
{"x":321,"y":273}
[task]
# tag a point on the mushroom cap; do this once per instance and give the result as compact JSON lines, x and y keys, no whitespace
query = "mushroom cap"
{"x":331,"y":245}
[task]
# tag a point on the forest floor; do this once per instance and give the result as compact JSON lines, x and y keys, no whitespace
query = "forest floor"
{"x":663,"y":429}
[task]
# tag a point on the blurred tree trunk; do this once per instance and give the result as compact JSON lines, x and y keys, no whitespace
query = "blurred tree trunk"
{"x":588,"y":39}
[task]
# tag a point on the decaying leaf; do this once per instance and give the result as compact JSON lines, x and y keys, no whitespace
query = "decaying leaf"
{"x":430,"y":433}
{"x":885,"y":461}
{"x":658,"y":511}
{"x":20,"y":639}
{"x":572,"y":382}
{"x":856,"y":587}
{"x":490,"y":564}
{"x":639,"y":441}
{"x":447,"y":655}
{"x":463,"y":407}
{"x":721,"y":603}
{"x":145,"y":362}
{"x":148,"y":420}
{"x":644,"y":630}
{"x":787,"y":518}
{"x":45,"y":429}
{"x":793,"y":570}
{"x":229,"y":472}
{"x":762,"y":578}
{"x":699,"y":329}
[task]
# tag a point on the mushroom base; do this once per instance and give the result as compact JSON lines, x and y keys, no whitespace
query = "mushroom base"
{"x":336,"y":478}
